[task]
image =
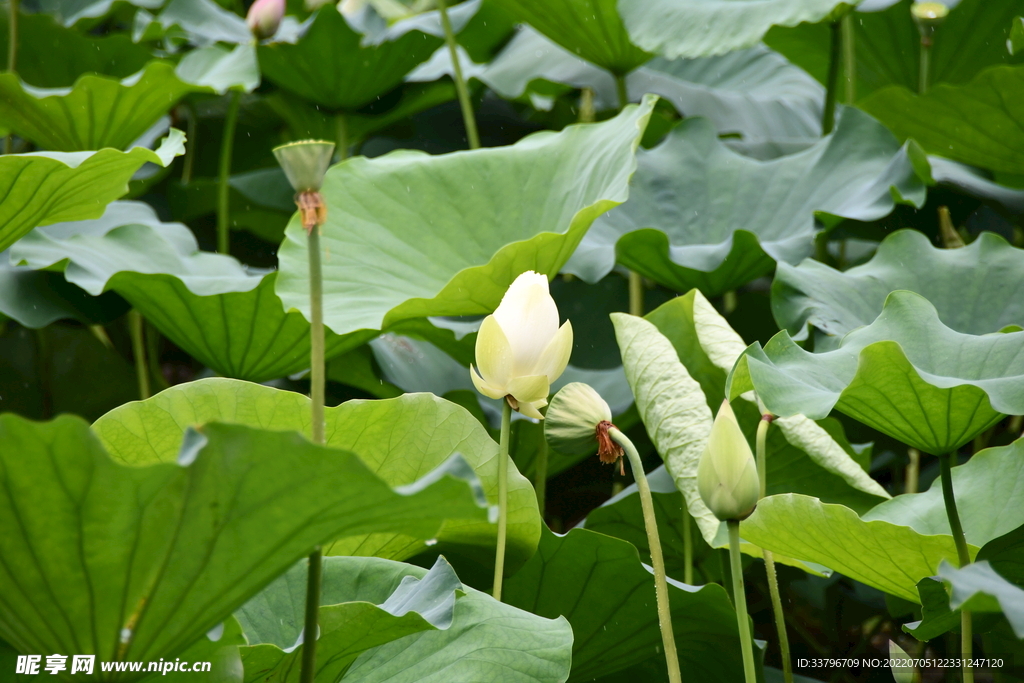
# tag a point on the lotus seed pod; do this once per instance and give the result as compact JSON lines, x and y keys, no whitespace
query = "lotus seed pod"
{"x":305,"y":163}
{"x":928,"y":16}
{"x":727,"y":475}
{"x":264,"y":17}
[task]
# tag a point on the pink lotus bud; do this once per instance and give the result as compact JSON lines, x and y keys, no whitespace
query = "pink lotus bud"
{"x":264,"y":17}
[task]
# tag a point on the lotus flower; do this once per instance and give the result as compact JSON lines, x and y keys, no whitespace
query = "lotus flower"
{"x":520,"y":349}
{"x":726,"y":475}
{"x":264,"y":17}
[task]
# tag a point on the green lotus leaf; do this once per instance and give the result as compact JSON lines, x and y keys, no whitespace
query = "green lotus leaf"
{"x":488,"y":640}
{"x":346,"y":63}
{"x":591,"y":29}
{"x":701,"y":215}
{"x":892,"y":558}
{"x":378,"y":614}
{"x":53,"y":56}
{"x":702,"y":28}
{"x":393,"y":219}
{"x":204,"y":22}
{"x":137,"y":563}
{"x":398,"y":439}
{"x":70,"y":12}
{"x":1015,"y":43}
{"x":37,"y":298}
{"x":599,"y":584}
{"x":888,"y":44}
{"x":99,"y":111}
{"x":40,"y":188}
{"x":973,"y":182}
{"x":978,"y":123}
{"x":906,"y":375}
{"x":360,"y":609}
{"x":975,"y":290}
{"x":774,"y":106}
{"x":208,"y":304}
{"x":978,"y":588}
{"x":990,"y":498}
{"x":1006,"y":555}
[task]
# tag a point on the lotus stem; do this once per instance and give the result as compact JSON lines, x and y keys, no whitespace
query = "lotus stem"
{"x":729,"y":302}
{"x":190,"y":145}
{"x":850,"y":58}
{"x":472,"y":136}
{"x":657,"y":557}
{"x":687,"y":545}
{"x":924,"y":66}
{"x":963,"y":555}
{"x":587,"y":113}
{"x":828,"y":114}
{"x":317,"y":428}
{"x":223,"y":196}
{"x":153,"y":357}
{"x":44,"y":362}
{"x":135,"y":329}
{"x":740,"y":598}
{"x":636,"y":294}
{"x":761,"y":447}
{"x":541,"y":475}
{"x":1016,"y":422}
{"x":913,"y":471}
{"x":621,"y":91}
{"x":12,"y":56}
{"x":311,"y":629}
{"x":499,"y":556}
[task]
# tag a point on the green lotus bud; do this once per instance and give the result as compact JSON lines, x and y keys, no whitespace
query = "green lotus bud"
{"x":928,"y":16}
{"x":578,"y":419}
{"x":305,"y":163}
{"x":726,"y":475}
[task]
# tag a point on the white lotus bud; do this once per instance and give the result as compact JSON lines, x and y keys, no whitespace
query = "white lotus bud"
{"x":727,"y":475}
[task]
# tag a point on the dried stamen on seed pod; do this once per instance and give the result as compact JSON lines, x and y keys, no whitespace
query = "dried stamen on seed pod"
{"x":312,"y":209}
{"x":609,"y":451}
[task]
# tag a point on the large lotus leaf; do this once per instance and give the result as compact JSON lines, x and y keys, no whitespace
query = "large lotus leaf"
{"x":99,"y":111}
{"x":975,"y":290}
{"x":52,"y":56}
{"x":973,"y":182}
{"x":599,"y":584}
{"x":675,"y":410}
{"x":369,"y":603}
{"x":1006,"y":554}
{"x":702,"y":28}
{"x":37,"y":298}
{"x":70,"y":12}
{"x":892,"y":558}
{"x":701,"y":215}
{"x":339,"y":65}
{"x":755,"y":93}
{"x":979,"y":123}
{"x":449,"y":233}
{"x":487,"y":640}
{"x":591,"y":29}
{"x":40,"y":188}
{"x":888,"y":45}
{"x":773,"y":105}
{"x":803,"y":456}
{"x":137,"y":563}
{"x":978,"y":588}
{"x":990,"y":498}
{"x":226,"y":317}
{"x":204,"y":22}
{"x":907,"y":375}
{"x":354,"y":615}
{"x":398,"y":439}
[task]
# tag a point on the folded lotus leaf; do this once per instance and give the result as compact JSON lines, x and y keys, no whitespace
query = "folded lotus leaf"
{"x":906,"y":375}
{"x":975,"y":290}
{"x":701,"y":215}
